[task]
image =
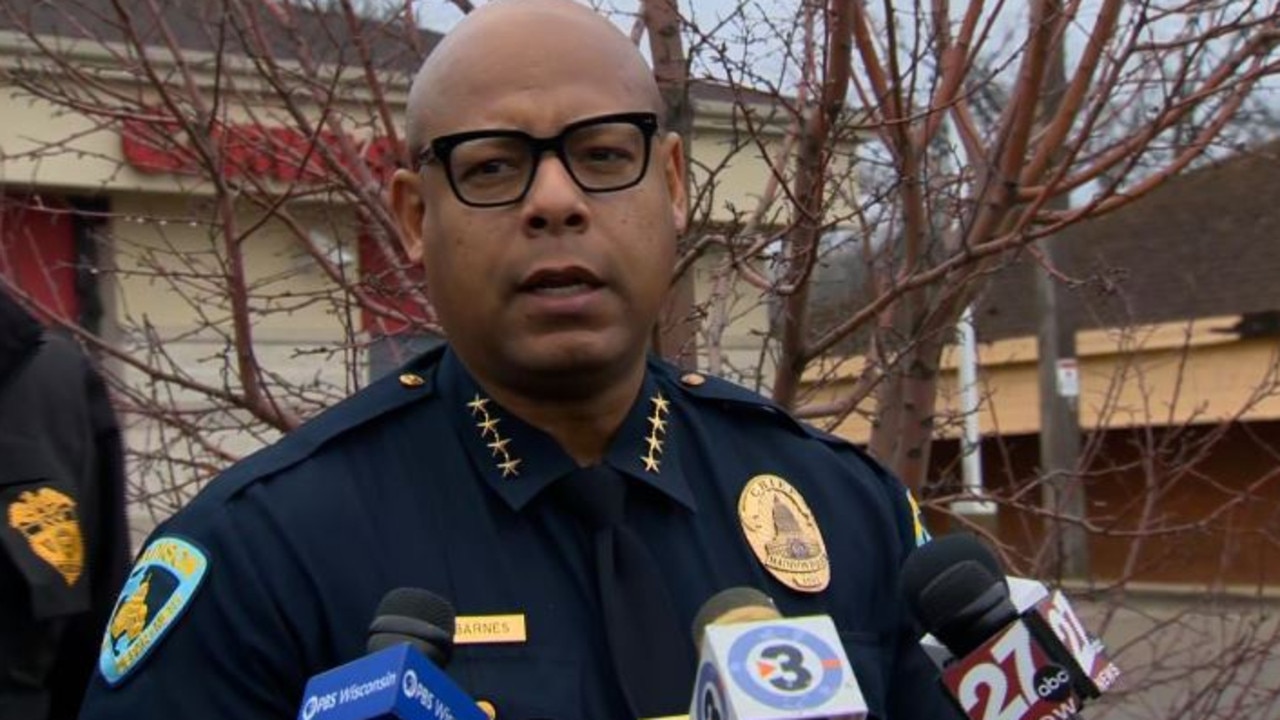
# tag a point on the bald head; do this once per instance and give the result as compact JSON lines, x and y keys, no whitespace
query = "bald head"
{"x":515,"y":49}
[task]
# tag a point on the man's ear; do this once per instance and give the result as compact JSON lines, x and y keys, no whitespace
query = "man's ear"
{"x":673,"y":172}
{"x":408,"y":209}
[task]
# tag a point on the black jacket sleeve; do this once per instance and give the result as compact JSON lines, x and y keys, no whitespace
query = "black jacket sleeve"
{"x":108,"y":559}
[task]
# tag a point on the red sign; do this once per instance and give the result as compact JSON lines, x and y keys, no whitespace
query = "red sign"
{"x":1087,"y":651}
{"x":38,"y":253}
{"x":277,"y":153}
{"x":1011,"y":677}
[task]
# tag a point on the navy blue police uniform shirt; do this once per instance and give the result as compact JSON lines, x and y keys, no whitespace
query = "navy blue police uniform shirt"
{"x":273,"y":573}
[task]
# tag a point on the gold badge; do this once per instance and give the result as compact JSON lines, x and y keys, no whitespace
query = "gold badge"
{"x":47,"y":519}
{"x":783,"y":533}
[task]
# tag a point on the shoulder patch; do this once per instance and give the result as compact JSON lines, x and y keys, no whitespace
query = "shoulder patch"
{"x":159,"y":588}
{"x":46,"y":519}
{"x":919,"y":531}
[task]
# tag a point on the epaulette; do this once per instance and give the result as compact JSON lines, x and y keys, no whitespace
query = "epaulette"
{"x":709,"y":387}
{"x":705,"y":387}
{"x":699,"y":386}
{"x":413,"y":381}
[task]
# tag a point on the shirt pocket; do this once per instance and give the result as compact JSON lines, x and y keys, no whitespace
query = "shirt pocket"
{"x":522,"y":683}
{"x":40,"y":529}
{"x":869,"y":655}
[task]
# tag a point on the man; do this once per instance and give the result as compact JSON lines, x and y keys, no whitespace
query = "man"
{"x":63,"y":544}
{"x":544,"y":203}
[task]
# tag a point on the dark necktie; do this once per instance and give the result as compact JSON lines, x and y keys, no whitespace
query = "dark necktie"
{"x":651,"y":652}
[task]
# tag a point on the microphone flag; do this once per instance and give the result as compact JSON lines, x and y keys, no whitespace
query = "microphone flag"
{"x":396,"y":683}
{"x":782,"y":669}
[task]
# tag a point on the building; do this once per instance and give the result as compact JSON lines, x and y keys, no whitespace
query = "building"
{"x":1178,"y":343}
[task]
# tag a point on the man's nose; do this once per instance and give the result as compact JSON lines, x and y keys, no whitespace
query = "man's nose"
{"x":554,"y":202}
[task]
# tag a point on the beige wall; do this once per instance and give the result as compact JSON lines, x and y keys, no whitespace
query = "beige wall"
{"x":729,"y":174}
{"x":153,"y":236}
{"x":83,"y":158}
{"x":1164,"y":374}
{"x":729,"y":169}
{"x":736,"y":352}
{"x":182,"y":327}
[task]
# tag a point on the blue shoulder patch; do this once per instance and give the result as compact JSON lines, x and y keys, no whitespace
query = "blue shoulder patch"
{"x":160,"y":587}
{"x":920,"y":532}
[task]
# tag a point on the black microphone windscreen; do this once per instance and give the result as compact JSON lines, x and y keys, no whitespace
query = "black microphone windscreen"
{"x":418,"y":617}
{"x":955,"y":588}
{"x":739,"y":604}
{"x":419,"y":603}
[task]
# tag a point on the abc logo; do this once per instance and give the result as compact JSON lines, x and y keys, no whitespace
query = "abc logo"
{"x":1053,"y":682}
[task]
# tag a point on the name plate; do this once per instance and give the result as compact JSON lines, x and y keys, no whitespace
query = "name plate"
{"x":481,"y":629}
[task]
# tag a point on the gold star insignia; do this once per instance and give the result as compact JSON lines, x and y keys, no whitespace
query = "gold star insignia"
{"x":478,"y":404}
{"x":509,"y":467}
{"x":499,"y":445}
{"x":488,"y":425}
{"x":658,"y":428}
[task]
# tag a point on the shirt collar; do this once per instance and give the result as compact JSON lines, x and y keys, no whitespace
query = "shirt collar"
{"x":519,"y":461}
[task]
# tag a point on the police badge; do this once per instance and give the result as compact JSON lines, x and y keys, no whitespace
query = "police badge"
{"x":47,"y":520}
{"x":783,"y":533}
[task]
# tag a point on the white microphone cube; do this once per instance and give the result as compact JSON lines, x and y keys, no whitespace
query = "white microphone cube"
{"x":785,"y":669}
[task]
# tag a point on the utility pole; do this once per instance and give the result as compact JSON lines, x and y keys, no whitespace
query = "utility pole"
{"x":1062,"y":494}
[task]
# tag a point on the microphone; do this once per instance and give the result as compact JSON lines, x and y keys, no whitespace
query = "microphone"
{"x":757,"y":665}
{"x":1031,"y":660}
{"x":410,"y":639}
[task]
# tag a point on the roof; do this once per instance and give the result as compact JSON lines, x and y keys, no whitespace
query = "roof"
{"x":210,"y":25}
{"x":214,"y":25}
{"x":1205,"y":243}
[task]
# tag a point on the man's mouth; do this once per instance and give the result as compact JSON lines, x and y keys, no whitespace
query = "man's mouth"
{"x":561,"y":290}
{"x":561,"y":282}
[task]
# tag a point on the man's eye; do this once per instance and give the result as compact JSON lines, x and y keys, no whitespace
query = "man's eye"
{"x":489,"y":169}
{"x":604,"y":154}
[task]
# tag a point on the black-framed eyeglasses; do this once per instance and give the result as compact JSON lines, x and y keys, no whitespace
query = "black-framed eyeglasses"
{"x":488,"y":168}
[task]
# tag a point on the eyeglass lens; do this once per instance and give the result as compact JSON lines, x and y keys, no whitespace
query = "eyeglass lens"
{"x":602,"y":157}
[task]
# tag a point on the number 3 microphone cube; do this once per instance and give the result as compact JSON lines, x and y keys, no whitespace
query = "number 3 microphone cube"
{"x":786,"y":669}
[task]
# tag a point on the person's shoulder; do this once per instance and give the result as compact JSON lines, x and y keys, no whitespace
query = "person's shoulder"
{"x":741,"y":410}
{"x":312,"y":442}
{"x":59,"y":357}
{"x":745,"y":408}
